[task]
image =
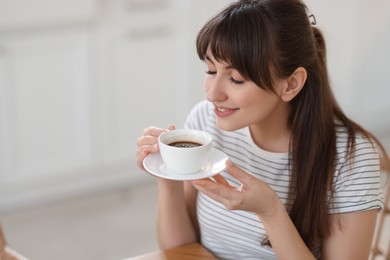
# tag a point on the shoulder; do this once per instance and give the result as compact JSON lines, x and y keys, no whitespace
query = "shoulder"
{"x":357,"y":177}
{"x":363,"y":150}
{"x":204,"y":107}
{"x":201,"y":116}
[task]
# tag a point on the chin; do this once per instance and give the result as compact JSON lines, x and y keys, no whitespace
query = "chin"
{"x":229,"y":127}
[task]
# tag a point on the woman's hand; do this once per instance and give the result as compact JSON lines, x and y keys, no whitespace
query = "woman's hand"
{"x":256,"y":196}
{"x":253,"y":195}
{"x":147,"y":143}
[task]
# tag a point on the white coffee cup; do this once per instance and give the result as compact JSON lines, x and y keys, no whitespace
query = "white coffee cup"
{"x":178,"y":153}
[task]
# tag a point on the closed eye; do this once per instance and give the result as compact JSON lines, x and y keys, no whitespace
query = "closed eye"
{"x":238,"y":82}
{"x":209,"y":72}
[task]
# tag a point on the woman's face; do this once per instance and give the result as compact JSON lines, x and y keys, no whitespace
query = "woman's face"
{"x":239,"y":102}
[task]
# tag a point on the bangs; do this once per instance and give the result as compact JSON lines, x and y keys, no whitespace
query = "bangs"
{"x":216,"y":37}
{"x":239,"y":41}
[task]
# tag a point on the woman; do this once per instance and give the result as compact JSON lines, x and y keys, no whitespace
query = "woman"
{"x":309,"y":176}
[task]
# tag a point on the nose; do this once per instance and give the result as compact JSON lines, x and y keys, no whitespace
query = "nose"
{"x":215,"y":89}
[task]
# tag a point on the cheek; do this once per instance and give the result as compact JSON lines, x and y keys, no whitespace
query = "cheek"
{"x":206,"y":85}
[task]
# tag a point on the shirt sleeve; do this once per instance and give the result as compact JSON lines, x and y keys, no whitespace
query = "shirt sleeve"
{"x":357,"y":183}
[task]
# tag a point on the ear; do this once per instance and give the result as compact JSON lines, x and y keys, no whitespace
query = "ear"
{"x":294,"y":84}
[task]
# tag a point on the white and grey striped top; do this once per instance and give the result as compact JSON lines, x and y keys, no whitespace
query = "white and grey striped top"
{"x":239,"y":234}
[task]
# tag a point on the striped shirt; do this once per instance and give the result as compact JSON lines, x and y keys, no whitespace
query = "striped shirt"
{"x":235,"y":234}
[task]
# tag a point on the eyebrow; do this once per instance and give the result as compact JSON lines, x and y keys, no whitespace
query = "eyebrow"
{"x":228,"y":66}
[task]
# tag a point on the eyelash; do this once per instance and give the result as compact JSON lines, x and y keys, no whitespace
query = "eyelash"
{"x":231,"y":79}
{"x":237,"y":82}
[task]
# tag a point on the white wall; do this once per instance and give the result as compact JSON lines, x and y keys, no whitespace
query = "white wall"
{"x":358,"y":37}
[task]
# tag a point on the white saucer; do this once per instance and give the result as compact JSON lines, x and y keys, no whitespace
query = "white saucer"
{"x":154,"y":164}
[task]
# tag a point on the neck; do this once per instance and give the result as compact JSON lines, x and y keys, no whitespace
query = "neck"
{"x":273,"y":133}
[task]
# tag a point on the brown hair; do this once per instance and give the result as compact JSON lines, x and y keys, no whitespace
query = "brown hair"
{"x":269,"y":39}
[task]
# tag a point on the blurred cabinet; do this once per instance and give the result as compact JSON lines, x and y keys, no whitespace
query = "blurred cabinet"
{"x":45,"y":104}
{"x":78,"y":83}
{"x":144,"y":68}
{"x":23,"y":14}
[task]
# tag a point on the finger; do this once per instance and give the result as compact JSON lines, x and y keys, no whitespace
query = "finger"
{"x":215,"y":190}
{"x":239,"y":174}
{"x":218,"y":178}
{"x":146,"y":140}
{"x":227,"y":196}
{"x":150,"y":135}
{"x":148,"y":149}
{"x":144,"y":151}
{"x":140,"y":159}
{"x":153,"y":131}
{"x":207,"y":188}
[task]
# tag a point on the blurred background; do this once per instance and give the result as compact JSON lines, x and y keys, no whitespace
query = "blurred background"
{"x":81,"y":79}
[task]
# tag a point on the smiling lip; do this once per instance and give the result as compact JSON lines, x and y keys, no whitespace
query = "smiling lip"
{"x":224,"y":111}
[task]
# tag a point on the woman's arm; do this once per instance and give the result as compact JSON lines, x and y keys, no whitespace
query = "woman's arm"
{"x":175,"y":215}
{"x":176,"y":201}
{"x":284,"y":237}
{"x":191,"y":195}
{"x":351,"y":236}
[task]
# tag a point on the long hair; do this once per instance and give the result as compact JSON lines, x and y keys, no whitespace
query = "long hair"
{"x":269,"y":39}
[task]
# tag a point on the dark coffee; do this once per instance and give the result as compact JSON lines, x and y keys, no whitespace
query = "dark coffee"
{"x":185,"y":144}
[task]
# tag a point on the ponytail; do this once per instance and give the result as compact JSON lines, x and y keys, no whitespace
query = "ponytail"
{"x":321,"y":57}
{"x":320,"y":47}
